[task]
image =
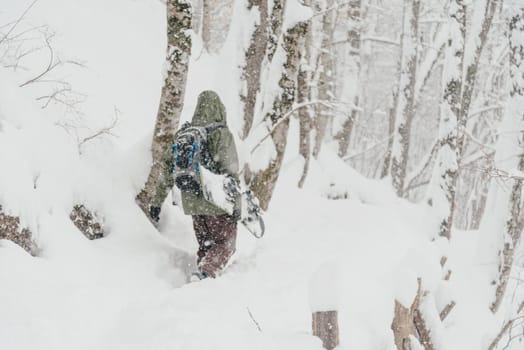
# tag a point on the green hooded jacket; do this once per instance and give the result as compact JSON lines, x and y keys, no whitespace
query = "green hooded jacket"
{"x":222,"y":148}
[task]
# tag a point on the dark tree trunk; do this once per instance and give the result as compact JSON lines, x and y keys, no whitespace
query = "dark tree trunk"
{"x":254,"y":57}
{"x":173,"y":91}
{"x":263,"y":182}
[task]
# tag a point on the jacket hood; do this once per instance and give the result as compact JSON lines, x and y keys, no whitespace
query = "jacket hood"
{"x":209,"y":109}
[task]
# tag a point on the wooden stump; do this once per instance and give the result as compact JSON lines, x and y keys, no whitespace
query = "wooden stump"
{"x":325,"y":326}
{"x":10,"y":229}
{"x":87,"y":222}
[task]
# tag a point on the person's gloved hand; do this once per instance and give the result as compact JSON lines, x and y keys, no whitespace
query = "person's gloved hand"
{"x":154,"y":213}
{"x":236,"y":215}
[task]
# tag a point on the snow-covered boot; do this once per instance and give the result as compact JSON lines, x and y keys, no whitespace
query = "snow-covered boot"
{"x":198,"y":276}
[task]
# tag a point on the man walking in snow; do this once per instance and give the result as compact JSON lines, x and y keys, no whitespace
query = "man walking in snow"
{"x":215,"y":229}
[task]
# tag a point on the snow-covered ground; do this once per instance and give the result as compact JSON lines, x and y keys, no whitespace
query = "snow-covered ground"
{"x":128,"y":290}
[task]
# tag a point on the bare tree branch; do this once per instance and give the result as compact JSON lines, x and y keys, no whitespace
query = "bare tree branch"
{"x":107,"y":130}
{"x":287,"y":116}
{"x":18,"y":21}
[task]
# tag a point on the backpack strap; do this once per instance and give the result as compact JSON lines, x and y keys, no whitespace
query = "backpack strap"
{"x":214,"y":126}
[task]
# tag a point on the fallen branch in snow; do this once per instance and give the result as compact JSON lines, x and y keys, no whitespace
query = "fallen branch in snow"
{"x":446,"y":310}
{"x":254,"y":320}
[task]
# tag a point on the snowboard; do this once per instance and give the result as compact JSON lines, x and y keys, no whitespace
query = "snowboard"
{"x":251,"y":216}
{"x":219,"y":189}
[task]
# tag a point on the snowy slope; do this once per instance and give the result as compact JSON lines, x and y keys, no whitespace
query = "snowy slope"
{"x":124,"y":292}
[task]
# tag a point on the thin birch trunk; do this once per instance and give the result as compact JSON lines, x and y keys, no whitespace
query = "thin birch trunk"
{"x":443,"y":184}
{"x":424,"y":70}
{"x":430,"y":60}
{"x":197,"y":16}
{"x":254,"y":57}
{"x":326,"y":78}
{"x":172,"y":97}
{"x":305,"y":114}
{"x":263,"y":182}
{"x":386,"y":166}
{"x":305,"y":121}
{"x":442,"y":188}
{"x":476,"y":44}
{"x":354,"y":34}
{"x":275,"y":27}
{"x":405,"y":108}
{"x":509,"y":143}
{"x":206,"y":23}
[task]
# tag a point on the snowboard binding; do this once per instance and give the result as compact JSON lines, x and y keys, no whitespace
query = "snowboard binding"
{"x":251,"y":217}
